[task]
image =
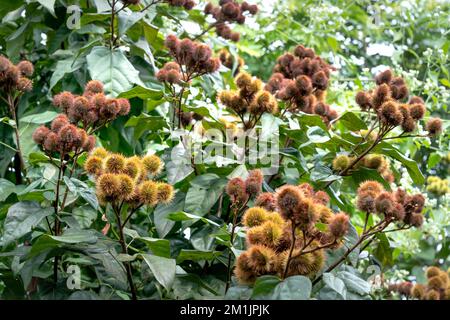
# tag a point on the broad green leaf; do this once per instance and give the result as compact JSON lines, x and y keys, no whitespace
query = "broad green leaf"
{"x":293,"y":288}
{"x":40,"y":118}
{"x":162,"y":268}
{"x":6,"y":188}
{"x":197,"y":255}
{"x":335,"y":284}
{"x":352,"y":122}
{"x":113,"y":69}
{"x":21,"y":218}
{"x":264,"y":287}
{"x":142,"y":93}
{"x":49,"y":5}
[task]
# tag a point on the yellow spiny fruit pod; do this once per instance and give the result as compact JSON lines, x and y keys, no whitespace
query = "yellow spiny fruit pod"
{"x":114,"y":163}
{"x":341,"y":162}
{"x":165,"y":192}
{"x":276,"y":218}
{"x":418,"y":291}
{"x":299,"y":265}
{"x":127,"y":186}
{"x":262,"y":259}
{"x":153,"y":164}
{"x":133,"y":166}
{"x":100,"y":152}
{"x":243,"y":271}
{"x":432,"y":295}
{"x":254,"y":217}
{"x":267,"y":234}
{"x":148,"y":192}
{"x":432,"y":272}
{"x":108,"y":187}
{"x":94,"y":165}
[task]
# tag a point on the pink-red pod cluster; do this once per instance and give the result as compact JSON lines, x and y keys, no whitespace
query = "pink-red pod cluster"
{"x":389,"y":101}
{"x":227,"y":12}
{"x":15,"y":77}
{"x":191,"y":59}
{"x":240,"y":190}
{"x":93,"y":108}
{"x":63,"y":137}
{"x":282,"y":238}
{"x":187,"y":4}
{"x":396,"y":205}
{"x":437,"y":286}
{"x":301,"y":79}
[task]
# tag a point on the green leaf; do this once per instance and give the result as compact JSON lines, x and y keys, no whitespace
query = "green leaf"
{"x":264,"y":287}
{"x":127,"y":19}
{"x":317,"y":135}
{"x":352,"y":122}
{"x":144,"y":122}
{"x":21,"y":218}
{"x":162,"y":268}
{"x":159,"y":247}
{"x":433,"y":160}
{"x":335,"y":284}
{"x":293,"y":288}
{"x":162,"y":224}
{"x":411,"y":165}
{"x":113,"y":69}
{"x":197,"y":255}
{"x":6,"y":188}
{"x":445,"y":82}
{"x":49,"y":5}
{"x":354,"y":283}
{"x":142,"y":93}
{"x":40,"y":118}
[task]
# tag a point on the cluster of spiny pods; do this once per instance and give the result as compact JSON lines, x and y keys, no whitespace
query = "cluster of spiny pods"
{"x":63,"y":137}
{"x":437,"y":186}
{"x":436,"y":288}
{"x":287,"y":220}
{"x":396,"y":205}
{"x":249,"y":99}
{"x":371,"y":161}
{"x":227,"y":59}
{"x":187,"y":4}
{"x":192,"y":59}
{"x":387,"y":101}
{"x":301,"y":79}
{"x":229,"y":11}
{"x":126,"y":180}
{"x":93,"y":108}
{"x":15,"y":77}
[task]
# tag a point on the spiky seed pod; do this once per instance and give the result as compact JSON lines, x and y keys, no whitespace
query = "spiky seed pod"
{"x":434,"y":126}
{"x":341,"y":162}
{"x":24,"y":84}
{"x":93,"y":87}
{"x":165,"y":192}
{"x":339,"y":225}
{"x":372,"y":186}
{"x":68,"y":138}
{"x":243,"y":271}
{"x":114,"y":163}
{"x":26,"y":68}
{"x":307,"y":190}
{"x":418,"y":291}
{"x":374,"y":161}
{"x":148,"y":192}
{"x":253,"y":183}
{"x":153,"y":164}
{"x":435,"y":283}
{"x":432,"y":272}
{"x":398,"y":213}
{"x":416,"y":99}
{"x":267,"y":201}
{"x":275,"y":218}
{"x":366,"y":201}
{"x":288,"y":200}
{"x":236,"y":190}
{"x":108,"y":185}
{"x":324,"y":213}
{"x":384,"y":77}
{"x":409,"y":124}
{"x":60,"y":121}
{"x":261,"y":259}
{"x":126,"y":186}
{"x":94,"y":165}
{"x":254,"y":217}
{"x":390,"y":113}
{"x":417,"y":111}
{"x":416,"y":220}
{"x":51,"y":142}
{"x":5,"y":64}
{"x":80,"y":109}
{"x":415,"y":203}
{"x":132,"y":167}
{"x":40,"y":134}
{"x":399,"y":92}
{"x":12,"y":75}
{"x":124,"y":106}
{"x":363,"y":100}
{"x":432,"y":295}
{"x":306,"y":215}
{"x":384,"y":203}
{"x":100,"y":152}
{"x":321,"y":197}
{"x":64,"y":101}
{"x":381,"y":94}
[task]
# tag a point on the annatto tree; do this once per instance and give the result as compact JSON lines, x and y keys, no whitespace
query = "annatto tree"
{"x":158,"y":149}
